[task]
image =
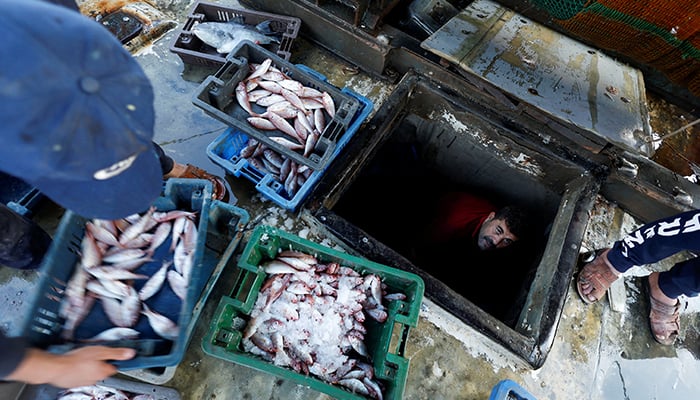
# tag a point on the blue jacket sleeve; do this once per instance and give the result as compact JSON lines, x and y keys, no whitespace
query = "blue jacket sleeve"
{"x":13,"y":351}
{"x":657,"y":240}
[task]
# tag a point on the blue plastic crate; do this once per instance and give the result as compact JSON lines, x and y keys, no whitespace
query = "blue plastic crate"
{"x":225,"y":149}
{"x":44,"y":325}
{"x":509,"y":390}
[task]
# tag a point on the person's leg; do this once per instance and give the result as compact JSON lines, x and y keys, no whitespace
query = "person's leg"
{"x":648,"y":244}
{"x":166,"y":162}
{"x":682,"y":279}
{"x":173,"y":169}
{"x":22,"y":242}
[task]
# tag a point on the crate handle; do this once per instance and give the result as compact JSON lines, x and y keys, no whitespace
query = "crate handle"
{"x":389,"y":360}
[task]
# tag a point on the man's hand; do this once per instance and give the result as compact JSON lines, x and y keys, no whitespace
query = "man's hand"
{"x":79,"y":367}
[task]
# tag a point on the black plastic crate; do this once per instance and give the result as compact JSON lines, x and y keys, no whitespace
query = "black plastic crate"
{"x":44,"y":324}
{"x":193,"y":51}
{"x":217,"y":97}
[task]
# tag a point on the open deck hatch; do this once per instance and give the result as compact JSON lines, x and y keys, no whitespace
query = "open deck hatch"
{"x":425,"y":139}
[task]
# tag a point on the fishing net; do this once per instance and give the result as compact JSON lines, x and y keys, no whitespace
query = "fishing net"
{"x":664,"y":34}
{"x":561,"y":9}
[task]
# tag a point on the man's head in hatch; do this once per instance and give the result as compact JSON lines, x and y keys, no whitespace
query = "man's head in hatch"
{"x":501,"y":228}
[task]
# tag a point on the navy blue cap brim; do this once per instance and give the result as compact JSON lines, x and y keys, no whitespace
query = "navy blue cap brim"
{"x":132,"y":191}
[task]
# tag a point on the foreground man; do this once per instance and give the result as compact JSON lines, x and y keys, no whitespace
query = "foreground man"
{"x":646,"y":245}
{"x":77,"y":123}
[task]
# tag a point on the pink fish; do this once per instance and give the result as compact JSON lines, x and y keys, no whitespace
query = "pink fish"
{"x":242,"y":98}
{"x":262,"y":123}
{"x":260,"y":69}
{"x":282,"y":124}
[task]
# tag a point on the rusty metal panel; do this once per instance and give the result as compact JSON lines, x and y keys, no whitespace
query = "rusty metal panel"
{"x":566,"y":79}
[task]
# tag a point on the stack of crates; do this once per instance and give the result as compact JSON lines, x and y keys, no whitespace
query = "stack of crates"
{"x":217,"y":97}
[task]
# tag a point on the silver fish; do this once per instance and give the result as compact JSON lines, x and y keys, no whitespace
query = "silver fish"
{"x":106,"y":272}
{"x":143,"y":224}
{"x":131,"y":307}
{"x":178,"y":284}
{"x":75,"y":314}
{"x":163,"y":326}
{"x":159,"y":236}
{"x":153,"y":285}
{"x":113,"y":309}
{"x":224,"y":36}
{"x":117,"y":333}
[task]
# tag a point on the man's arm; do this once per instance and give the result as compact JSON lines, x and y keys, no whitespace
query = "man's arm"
{"x":79,"y":367}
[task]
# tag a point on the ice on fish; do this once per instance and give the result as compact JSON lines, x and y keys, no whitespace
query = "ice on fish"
{"x":224,"y":36}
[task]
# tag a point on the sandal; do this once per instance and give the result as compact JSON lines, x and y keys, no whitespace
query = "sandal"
{"x":218,"y":185}
{"x":598,"y":275}
{"x":664,"y":320}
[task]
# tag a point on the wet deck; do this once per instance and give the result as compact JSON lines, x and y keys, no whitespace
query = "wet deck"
{"x":597,"y":353}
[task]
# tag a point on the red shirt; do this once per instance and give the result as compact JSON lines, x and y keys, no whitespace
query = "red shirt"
{"x":459,"y":214}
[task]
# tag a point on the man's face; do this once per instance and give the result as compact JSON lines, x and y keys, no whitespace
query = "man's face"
{"x":494,"y":234}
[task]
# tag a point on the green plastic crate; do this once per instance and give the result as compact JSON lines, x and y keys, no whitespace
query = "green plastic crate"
{"x":385,"y":341}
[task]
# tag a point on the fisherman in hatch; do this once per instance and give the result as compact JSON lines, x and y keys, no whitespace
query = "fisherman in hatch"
{"x":470,"y":220}
{"x":469,"y":233}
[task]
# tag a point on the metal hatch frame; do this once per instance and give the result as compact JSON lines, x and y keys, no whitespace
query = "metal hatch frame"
{"x":532,"y":335}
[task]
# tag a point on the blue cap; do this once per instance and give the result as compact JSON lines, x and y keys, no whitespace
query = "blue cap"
{"x":77,"y":112}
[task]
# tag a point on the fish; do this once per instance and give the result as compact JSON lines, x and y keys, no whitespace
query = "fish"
{"x":153,"y":285}
{"x":178,"y":284}
{"x":143,"y":224}
{"x":225,"y":36}
{"x":243,"y":100}
{"x":261,"y":69}
{"x":262,"y":123}
{"x":309,"y":317}
{"x":116,"y":333}
{"x":163,"y":326}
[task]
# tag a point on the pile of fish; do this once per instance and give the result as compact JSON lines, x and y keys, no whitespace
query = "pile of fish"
{"x":299,"y":112}
{"x":309,"y":316}
{"x":115,"y":256}
{"x":95,"y":392}
{"x":282,"y":168}
{"x":225,"y":36}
